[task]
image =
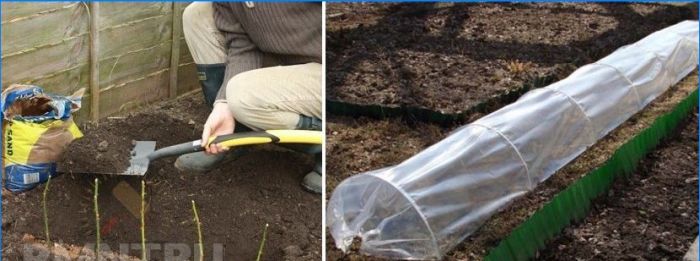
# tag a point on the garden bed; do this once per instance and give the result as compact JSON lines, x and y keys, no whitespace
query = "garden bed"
{"x":652,"y":215}
{"x":450,"y":58}
{"x":501,"y":224}
{"x":387,"y":56}
{"x":235,"y":201}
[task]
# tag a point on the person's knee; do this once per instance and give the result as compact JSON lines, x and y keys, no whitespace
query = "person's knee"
{"x":239,"y":96}
{"x":251,"y":103}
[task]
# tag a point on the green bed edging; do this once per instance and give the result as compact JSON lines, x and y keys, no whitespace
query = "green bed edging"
{"x":342,"y":108}
{"x":574,"y":202}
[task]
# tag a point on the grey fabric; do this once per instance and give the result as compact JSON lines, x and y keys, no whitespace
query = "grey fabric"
{"x":288,"y":32}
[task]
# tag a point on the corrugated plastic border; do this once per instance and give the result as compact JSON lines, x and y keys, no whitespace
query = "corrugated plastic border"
{"x":573,"y":203}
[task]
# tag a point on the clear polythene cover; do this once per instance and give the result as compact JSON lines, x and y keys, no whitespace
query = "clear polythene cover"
{"x":424,"y":206}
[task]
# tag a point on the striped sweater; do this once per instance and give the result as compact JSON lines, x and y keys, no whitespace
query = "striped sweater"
{"x":268,"y":34}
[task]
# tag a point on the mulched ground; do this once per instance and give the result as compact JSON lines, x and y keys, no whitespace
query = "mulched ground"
{"x":358,"y":145}
{"x":235,"y":201}
{"x":358,"y":57}
{"x":450,"y":57}
{"x":652,"y":215}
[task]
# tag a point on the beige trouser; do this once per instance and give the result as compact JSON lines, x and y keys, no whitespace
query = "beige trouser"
{"x":262,"y":99}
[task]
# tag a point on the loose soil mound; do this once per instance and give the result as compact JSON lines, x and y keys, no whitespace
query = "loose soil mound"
{"x":650,"y":216}
{"x":106,"y":147}
{"x":235,"y":201}
{"x":451,"y":57}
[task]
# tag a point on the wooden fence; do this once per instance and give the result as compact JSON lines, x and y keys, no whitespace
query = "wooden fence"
{"x":124,"y":54}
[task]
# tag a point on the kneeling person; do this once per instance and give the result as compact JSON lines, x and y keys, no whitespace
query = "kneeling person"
{"x":259,"y":65}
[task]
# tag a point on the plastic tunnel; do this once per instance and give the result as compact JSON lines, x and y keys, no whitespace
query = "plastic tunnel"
{"x":424,"y":206}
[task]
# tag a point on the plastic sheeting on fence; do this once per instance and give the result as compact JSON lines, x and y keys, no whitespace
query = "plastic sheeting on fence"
{"x":424,"y":206}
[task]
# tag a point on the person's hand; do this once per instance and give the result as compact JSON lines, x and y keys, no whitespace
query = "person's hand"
{"x":220,"y":122}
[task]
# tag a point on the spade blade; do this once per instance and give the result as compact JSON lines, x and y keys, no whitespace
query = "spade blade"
{"x":138,"y":163}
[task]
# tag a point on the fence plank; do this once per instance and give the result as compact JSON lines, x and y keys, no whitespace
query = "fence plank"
{"x":66,"y":82}
{"x":136,"y":36}
{"x":43,"y":62}
{"x":133,"y":94}
{"x":94,"y":61}
{"x":175,"y":52}
{"x":118,"y":69}
{"x":14,"y":10}
{"x":44,"y":29}
{"x":115,"y":13}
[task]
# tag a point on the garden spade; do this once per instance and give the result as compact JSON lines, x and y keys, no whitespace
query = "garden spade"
{"x":145,"y":151}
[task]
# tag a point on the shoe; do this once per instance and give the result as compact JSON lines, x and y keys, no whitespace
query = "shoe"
{"x":312,"y":181}
{"x":211,"y":76}
{"x":200,"y":162}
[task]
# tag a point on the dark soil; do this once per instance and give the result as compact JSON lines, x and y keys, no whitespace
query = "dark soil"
{"x":108,"y":144}
{"x":359,"y":145}
{"x":450,"y":57}
{"x":234,"y":201}
{"x":650,"y":216}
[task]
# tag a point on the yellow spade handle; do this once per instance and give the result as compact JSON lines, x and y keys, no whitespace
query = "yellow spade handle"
{"x":270,"y":136}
